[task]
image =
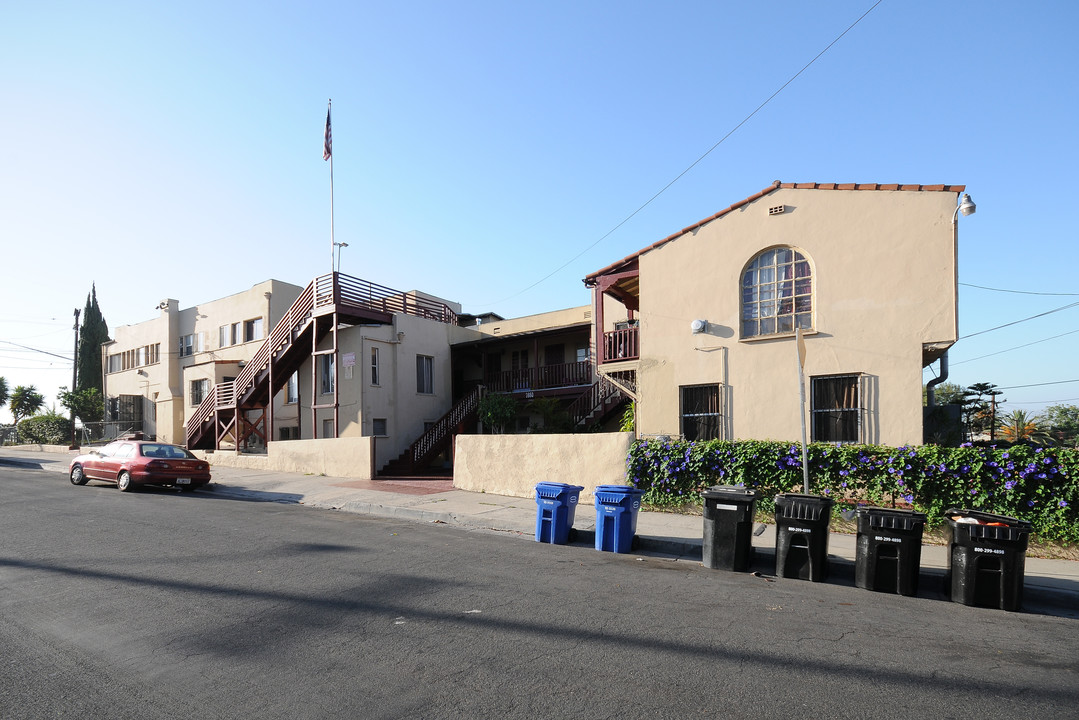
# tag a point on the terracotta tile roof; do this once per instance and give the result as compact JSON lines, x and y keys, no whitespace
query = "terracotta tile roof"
{"x":589,"y":279}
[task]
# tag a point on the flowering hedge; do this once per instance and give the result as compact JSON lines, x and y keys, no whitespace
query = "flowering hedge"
{"x":1032,"y":483}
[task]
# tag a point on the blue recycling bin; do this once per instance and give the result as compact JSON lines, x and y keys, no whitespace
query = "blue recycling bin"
{"x":555,"y":506}
{"x":616,"y":517}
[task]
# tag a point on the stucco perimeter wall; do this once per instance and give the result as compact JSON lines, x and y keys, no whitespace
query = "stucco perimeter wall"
{"x":349,"y":457}
{"x":513,"y":464}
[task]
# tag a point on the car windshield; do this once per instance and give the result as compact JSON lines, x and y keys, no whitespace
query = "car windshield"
{"x":169,"y":452}
{"x":109,"y":450}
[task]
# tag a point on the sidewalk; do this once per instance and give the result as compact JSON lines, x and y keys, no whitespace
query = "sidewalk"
{"x":1049,"y":584}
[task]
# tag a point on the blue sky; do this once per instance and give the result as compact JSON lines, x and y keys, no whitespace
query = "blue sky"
{"x":174,"y":150}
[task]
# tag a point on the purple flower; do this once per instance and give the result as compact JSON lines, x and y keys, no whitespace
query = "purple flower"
{"x":1010,"y":485}
{"x":1062,"y":503}
{"x":909,"y":498}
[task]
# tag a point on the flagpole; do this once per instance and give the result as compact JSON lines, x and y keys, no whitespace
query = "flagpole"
{"x":327,"y":154}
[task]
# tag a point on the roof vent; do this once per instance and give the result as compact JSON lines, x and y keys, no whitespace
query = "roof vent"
{"x":777,"y":210}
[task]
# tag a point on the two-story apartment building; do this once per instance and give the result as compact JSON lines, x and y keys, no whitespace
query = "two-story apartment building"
{"x":157,"y":372}
{"x":700,"y":326}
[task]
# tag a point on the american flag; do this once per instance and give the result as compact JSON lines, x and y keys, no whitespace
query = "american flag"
{"x":327,"y":143}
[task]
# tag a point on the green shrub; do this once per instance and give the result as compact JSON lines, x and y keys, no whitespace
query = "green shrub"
{"x":1040,"y":485}
{"x":49,"y":429}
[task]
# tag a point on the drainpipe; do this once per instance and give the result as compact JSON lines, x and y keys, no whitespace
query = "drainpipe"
{"x":930,"y":392}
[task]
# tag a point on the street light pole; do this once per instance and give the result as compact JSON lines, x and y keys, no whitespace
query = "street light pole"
{"x":74,"y":380}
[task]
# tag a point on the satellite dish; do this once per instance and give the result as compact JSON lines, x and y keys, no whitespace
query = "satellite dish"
{"x":698,"y":326}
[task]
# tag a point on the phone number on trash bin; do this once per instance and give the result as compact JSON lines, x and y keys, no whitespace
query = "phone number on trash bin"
{"x":799,"y":530}
{"x":882,"y":538}
{"x":991,"y":551}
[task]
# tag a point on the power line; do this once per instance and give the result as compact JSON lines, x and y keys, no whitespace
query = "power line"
{"x":43,"y":352}
{"x":1057,"y":382}
{"x":1042,"y":402}
{"x":1016,"y":322}
{"x":1018,"y":292}
{"x":1017,"y":347}
{"x":678,"y":177}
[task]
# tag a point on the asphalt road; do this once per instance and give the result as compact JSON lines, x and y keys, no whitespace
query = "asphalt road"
{"x":161,"y":604}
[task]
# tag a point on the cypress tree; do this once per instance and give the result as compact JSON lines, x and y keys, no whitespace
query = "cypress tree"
{"x":94,"y":331}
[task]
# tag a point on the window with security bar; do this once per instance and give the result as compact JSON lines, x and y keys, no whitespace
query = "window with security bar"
{"x":700,"y":412}
{"x":836,"y":408}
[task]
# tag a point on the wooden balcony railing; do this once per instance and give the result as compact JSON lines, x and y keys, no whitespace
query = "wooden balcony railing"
{"x":362,"y":293}
{"x":621,"y":345}
{"x":546,"y":377}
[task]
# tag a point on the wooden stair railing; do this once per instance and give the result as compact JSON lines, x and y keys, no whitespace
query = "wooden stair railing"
{"x":433,"y":440}
{"x":602,"y":394}
{"x":324,"y":293}
{"x":230,"y":395}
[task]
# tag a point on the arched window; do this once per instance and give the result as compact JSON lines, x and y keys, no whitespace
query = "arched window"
{"x":777,"y":293}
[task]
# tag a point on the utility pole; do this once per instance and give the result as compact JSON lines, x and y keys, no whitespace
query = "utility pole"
{"x":74,"y":381}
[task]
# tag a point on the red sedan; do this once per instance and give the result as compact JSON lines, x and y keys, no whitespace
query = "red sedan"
{"x":129,"y":463}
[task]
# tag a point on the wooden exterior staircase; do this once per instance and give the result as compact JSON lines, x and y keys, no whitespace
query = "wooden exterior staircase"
{"x":436,"y":438}
{"x":596,"y":403}
{"x":327,"y":302}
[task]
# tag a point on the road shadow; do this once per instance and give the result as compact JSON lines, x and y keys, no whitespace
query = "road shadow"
{"x":213,"y":491}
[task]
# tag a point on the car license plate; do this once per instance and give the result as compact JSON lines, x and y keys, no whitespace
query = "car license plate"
{"x":183,"y":481}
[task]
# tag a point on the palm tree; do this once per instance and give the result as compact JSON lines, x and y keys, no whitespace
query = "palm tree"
{"x":3,"y":391}
{"x":1017,"y":426}
{"x":25,"y":401}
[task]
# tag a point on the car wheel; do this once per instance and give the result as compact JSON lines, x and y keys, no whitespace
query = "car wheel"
{"x":78,"y":477}
{"x":123,"y":481}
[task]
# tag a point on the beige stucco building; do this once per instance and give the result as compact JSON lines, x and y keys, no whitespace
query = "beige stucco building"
{"x":157,"y":372}
{"x":700,"y":327}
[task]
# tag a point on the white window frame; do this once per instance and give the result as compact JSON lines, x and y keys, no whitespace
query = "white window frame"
{"x":425,"y":375}
{"x":777,"y":293}
{"x":199,"y":390}
{"x":836,"y":417}
{"x":253,"y":330}
{"x":326,"y":378}
{"x":697,"y":412}
{"x":292,"y":389}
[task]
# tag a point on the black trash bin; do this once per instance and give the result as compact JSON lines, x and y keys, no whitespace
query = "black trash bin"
{"x":728,"y":527}
{"x":986,"y":558}
{"x":889,"y":550}
{"x":802,"y":536}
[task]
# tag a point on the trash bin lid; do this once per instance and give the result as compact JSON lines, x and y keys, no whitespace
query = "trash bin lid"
{"x":977,"y":517}
{"x":894,"y":512}
{"x":730,"y":492}
{"x":890,"y":518}
{"x":560,"y":486}
{"x":802,"y":499}
{"x":618,"y":489}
